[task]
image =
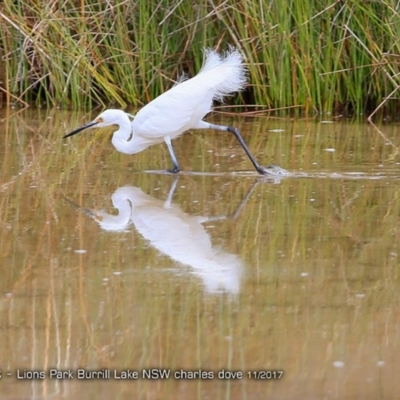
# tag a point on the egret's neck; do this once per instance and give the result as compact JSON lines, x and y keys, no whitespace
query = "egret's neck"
{"x":122,"y":138}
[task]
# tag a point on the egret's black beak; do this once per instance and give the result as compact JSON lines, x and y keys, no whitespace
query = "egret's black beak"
{"x":90,"y":124}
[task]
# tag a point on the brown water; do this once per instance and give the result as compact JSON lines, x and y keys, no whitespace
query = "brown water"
{"x":221,"y":273}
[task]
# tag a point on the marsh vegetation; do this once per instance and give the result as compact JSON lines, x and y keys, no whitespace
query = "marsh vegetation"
{"x":304,"y":57}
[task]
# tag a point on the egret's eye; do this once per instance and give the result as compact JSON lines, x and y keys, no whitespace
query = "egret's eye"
{"x":99,"y":120}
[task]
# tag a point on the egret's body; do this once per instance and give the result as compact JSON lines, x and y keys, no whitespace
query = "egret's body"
{"x":179,"y":109}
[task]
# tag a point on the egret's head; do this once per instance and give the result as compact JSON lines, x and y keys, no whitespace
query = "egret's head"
{"x":106,"y":118}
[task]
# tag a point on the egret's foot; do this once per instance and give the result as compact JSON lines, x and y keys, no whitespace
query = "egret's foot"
{"x":274,"y":170}
{"x":174,"y":170}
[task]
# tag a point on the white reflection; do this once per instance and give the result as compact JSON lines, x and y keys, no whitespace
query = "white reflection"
{"x":174,"y":233}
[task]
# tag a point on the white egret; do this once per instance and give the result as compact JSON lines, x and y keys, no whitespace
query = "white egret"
{"x":187,"y":243}
{"x":179,"y":109}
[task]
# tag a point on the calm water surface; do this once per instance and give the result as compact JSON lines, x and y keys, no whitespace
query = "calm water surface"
{"x":109,"y":265}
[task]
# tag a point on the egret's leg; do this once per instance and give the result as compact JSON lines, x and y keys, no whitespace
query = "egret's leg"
{"x":167,"y":203}
{"x":175,"y":168}
{"x":235,"y":131}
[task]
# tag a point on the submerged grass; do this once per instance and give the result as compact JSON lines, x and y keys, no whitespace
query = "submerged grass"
{"x":311,"y":57}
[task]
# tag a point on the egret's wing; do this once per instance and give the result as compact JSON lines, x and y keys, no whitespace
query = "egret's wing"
{"x":174,"y":112}
{"x":186,"y":104}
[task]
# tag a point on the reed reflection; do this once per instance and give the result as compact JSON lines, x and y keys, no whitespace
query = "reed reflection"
{"x":174,"y":233}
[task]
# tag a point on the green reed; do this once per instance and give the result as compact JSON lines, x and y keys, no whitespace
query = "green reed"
{"x":310,"y":57}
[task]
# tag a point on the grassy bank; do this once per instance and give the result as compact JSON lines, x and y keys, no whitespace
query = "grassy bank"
{"x":303,"y":56}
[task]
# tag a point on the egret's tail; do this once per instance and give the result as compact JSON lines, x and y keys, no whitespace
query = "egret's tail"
{"x":225,"y":72}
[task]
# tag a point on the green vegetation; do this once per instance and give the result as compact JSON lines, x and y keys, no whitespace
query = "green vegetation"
{"x":303,"y":56}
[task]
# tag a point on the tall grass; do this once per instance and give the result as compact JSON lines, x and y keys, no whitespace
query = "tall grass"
{"x":308,"y":56}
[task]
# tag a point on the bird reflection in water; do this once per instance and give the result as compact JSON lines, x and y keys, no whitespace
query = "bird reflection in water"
{"x":174,"y":233}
